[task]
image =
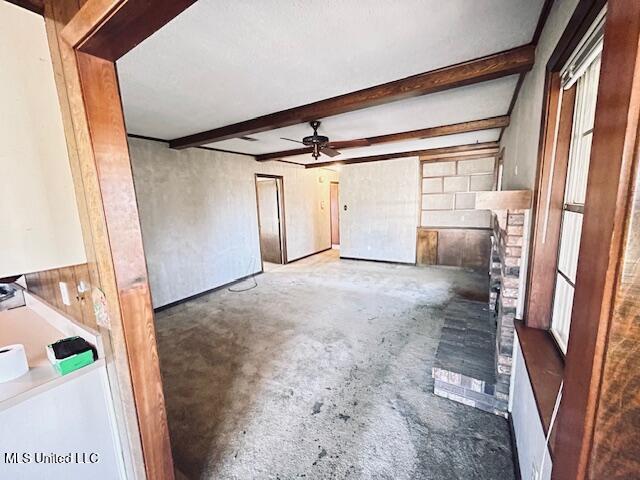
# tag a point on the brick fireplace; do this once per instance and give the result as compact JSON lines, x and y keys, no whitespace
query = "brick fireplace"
{"x":487,"y":387}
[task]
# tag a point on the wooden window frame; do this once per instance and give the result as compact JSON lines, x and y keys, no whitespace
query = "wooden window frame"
{"x":551,"y":175}
{"x":547,"y":371}
{"x":581,"y":443}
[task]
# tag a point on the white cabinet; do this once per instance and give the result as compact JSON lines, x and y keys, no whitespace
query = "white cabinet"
{"x":67,"y":431}
{"x":39,"y":222}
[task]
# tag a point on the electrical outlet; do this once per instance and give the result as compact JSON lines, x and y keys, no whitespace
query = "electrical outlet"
{"x":64,"y":292}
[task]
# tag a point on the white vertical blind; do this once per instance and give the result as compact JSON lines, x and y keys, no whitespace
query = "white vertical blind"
{"x":570,"y":244}
{"x":562,"y":306}
{"x":582,"y":134}
{"x":583,"y":70}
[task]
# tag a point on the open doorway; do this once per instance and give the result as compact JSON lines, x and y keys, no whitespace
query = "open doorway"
{"x":335,"y":214}
{"x":269,"y":197}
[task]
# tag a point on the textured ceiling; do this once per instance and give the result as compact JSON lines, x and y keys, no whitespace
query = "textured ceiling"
{"x":406,"y":146}
{"x":223,"y":62}
{"x":488,"y":99}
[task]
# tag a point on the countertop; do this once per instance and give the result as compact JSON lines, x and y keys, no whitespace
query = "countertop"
{"x":35,"y":326}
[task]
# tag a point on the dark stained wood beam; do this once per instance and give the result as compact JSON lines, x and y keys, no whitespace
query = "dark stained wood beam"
{"x":36,"y":6}
{"x":510,"y":62}
{"x":476,"y":149}
{"x":463,"y":127}
{"x":109,"y":29}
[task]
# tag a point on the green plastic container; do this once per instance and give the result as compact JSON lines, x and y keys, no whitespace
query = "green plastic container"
{"x":72,"y":363}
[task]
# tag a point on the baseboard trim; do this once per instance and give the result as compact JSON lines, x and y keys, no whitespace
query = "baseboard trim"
{"x":413,"y":264}
{"x":309,"y":255}
{"x":514,"y":449}
{"x":206,"y":292}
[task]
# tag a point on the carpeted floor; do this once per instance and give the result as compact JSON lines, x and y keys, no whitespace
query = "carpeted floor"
{"x":323,"y":371}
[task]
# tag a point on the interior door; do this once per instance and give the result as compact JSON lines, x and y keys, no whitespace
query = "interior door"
{"x":269,"y":216}
{"x":335,"y":213}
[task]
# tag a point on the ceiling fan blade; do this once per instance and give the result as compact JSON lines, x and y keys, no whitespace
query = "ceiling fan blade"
{"x":330,"y":152}
{"x":291,"y":140}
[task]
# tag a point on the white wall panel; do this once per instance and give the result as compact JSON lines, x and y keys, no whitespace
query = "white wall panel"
{"x":530,"y":438}
{"x":382,"y":201}
{"x":40,"y":228}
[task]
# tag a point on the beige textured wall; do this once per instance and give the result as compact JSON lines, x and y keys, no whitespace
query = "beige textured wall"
{"x":521,"y":138}
{"x":40,"y":228}
{"x":382,"y":201}
{"x":199,"y":217}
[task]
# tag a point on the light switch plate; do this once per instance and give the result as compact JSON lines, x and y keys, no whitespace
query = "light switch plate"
{"x":64,"y":292}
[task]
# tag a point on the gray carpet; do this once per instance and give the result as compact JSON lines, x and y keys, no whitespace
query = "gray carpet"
{"x":323,"y":371}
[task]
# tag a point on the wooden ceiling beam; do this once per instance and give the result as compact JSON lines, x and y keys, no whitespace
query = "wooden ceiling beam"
{"x":36,"y":6}
{"x":452,"y":129}
{"x":477,"y":150}
{"x":110,"y":28}
{"x":510,"y":62}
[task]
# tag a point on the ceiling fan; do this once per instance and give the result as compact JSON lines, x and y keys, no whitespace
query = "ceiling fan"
{"x":319,"y":143}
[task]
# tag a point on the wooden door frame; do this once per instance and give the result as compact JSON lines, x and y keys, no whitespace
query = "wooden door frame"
{"x":282,"y":226}
{"x":331,"y":216}
{"x":86,"y":37}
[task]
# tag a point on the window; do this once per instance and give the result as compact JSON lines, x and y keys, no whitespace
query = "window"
{"x":582,"y":71}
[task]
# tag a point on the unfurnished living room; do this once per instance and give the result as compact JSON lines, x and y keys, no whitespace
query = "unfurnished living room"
{"x":342,"y":239}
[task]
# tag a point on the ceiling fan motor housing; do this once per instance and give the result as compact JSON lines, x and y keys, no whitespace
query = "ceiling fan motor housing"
{"x":315,"y":139}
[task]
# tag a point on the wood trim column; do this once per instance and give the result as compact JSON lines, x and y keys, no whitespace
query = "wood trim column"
{"x":597,"y":433}
{"x":615,"y":452}
{"x":111,"y":152}
{"x":97,"y":142}
{"x":94,"y":228}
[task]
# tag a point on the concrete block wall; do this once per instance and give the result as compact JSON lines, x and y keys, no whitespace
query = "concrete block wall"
{"x":506,"y":261}
{"x":448,"y":192}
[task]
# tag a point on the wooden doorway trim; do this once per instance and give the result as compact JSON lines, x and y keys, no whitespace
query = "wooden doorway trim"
{"x":331,"y":207}
{"x":86,"y":37}
{"x":111,"y":154}
{"x":281,"y":216}
{"x":281,"y":212}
